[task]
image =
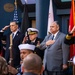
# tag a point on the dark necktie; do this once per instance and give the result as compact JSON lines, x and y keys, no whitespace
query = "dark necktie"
{"x":13,"y":35}
{"x":52,"y":37}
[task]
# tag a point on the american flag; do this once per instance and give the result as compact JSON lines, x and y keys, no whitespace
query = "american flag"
{"x":15,"y":14}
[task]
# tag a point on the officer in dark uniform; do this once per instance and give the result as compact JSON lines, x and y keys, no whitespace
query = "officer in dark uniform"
{"x":33,"y":39}
{"x":70,"y":39}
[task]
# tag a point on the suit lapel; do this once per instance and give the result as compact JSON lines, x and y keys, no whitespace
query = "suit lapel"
{"x":57,"y":36}
{"x":50,"y":37}
{"x":16,"y":34}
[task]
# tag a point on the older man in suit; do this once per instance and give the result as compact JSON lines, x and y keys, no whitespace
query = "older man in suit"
{"x":17,"y":39}
{"x":56,"y":52}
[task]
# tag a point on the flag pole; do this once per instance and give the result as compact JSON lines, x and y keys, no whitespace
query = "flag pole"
{"x":15,"y":4}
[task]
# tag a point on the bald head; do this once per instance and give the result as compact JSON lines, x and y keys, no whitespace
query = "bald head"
{"x":32,"y":63}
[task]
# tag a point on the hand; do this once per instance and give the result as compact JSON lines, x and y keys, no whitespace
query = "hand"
{"x":73,"y":30}
{"x":5,"y":28}
{"x":65,"y":66}
{"x":25,"y":39}
{"x":12,"y":70}
{"x":38,"y":44}
{"x":50,"y":42}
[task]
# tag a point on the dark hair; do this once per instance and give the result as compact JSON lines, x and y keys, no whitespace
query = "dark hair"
{"x":3,"y":66}
{"x":15,"y":22}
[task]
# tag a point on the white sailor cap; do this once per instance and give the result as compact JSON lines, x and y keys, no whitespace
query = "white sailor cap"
{"x":74,"y":60}
{"x":26,"y":46}
{"x":32,"y":31}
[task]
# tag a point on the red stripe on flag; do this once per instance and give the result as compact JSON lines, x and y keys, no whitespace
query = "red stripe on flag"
{"x":71,"y":24}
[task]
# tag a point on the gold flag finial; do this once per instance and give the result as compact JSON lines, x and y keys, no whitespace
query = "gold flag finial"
{"x":15,"y":3}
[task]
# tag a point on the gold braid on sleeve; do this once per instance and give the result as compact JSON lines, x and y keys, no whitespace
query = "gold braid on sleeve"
{"x":68,"y":37}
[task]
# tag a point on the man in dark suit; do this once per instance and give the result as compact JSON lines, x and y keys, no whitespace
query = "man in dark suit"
{"x":56,"y":51}
{"x":17,"y":39}
{"x":32,"y":65}
{"x":33,"y":39}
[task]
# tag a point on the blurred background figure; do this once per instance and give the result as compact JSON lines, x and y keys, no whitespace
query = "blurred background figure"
{"x":32,"y":65}
{"x":6,"y":69}
{"x":3,"y":66}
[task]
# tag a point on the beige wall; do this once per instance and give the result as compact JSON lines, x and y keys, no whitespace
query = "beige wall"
{"x":33,"y":23}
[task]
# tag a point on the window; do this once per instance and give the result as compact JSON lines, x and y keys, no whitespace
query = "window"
{"x":65,"y":0}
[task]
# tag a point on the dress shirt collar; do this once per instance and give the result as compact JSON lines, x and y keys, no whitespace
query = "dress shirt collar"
{"x":15,"y":32}
{"x":55,"y":34}
{"x":33,"y":40}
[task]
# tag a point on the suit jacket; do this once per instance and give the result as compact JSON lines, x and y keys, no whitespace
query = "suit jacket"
{"x":37,"y":50}
{"x":15,"y":50}
{"x":56,"y":54}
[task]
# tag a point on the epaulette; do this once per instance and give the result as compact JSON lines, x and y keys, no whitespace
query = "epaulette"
{"x":68,"y":36}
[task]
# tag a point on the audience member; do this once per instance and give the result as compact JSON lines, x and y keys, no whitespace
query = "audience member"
{"x":6,"y":69}
{"x":32,"y":65}
{"x":25,"y":49}
{"x":3,"y":66}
